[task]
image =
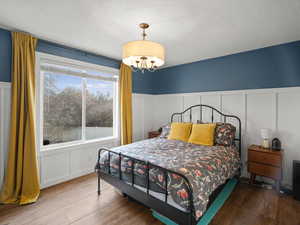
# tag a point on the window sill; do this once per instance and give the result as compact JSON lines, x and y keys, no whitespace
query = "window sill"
{"x":79,"y":145}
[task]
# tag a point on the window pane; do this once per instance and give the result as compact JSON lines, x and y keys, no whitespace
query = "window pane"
{"x":62,"y":108}
{"x":99,"y":109}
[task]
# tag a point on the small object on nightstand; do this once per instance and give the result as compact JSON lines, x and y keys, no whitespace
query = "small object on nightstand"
{"x":276,"y":144}
{"x":153,"y":134}
{"x":266,"y":163}
{"x":265,"y":134}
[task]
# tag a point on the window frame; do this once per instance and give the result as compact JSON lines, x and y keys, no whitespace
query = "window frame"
{"x":62,"y":61}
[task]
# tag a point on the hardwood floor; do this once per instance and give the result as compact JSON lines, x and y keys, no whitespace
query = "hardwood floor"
{"x":76,"y":202}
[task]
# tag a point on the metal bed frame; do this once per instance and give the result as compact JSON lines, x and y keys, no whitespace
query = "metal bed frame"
{"x":144,"y":197}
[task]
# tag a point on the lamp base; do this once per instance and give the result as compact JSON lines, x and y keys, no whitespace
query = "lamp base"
{"x":265,"y":143}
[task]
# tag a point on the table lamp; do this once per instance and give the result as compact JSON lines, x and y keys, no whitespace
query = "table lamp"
{"x":265,"y":134}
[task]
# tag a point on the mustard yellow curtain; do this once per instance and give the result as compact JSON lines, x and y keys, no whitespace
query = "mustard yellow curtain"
{"x":126,"y":104}
{"x":21,"y":183}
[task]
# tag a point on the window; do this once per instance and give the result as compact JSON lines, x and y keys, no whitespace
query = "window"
{"x":78,"y":102}
{"x":99,"y":108}
{"x":62,"y":108}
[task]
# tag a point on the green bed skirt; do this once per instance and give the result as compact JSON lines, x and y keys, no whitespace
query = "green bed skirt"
{"x":211,"y":211}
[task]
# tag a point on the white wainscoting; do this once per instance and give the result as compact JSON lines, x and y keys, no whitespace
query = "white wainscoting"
{"x":59,"y":165}
{"x":4,"y":126}
{"x":277,"y":109}
{"x":143,"y":115}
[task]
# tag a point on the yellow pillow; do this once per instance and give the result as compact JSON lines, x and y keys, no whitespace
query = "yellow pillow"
{"x":203,"y":134}
{"x":180,"y":131}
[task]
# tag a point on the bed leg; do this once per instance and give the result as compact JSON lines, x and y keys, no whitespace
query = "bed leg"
{"x":99,"y":183}
{"x":239,"y":173}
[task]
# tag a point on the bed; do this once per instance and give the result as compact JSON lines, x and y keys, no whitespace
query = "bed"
{"x":178,"y":180}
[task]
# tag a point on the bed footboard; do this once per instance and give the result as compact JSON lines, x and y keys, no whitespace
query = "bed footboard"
{"x":129,"y":188}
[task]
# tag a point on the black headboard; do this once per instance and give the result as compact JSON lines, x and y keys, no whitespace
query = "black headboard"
{"x":213,"y":111}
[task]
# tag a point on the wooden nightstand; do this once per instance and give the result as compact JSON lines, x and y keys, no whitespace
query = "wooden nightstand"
{"x":153,"y":134}
{"x":265,"y":162}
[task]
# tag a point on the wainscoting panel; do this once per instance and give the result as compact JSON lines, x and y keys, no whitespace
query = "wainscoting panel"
{"x":5,"y":91}
{"x":212,"y":100}
{"x":143,"y":113}
{"x":288,"y":129}
{"x":164,"y":107}
{"x":234,"y":104}
{"x":81,"y":163}
{"x":54,"y":168}
{"x":149,"y":114}
{"x":261,"y":113}
{"x":190,"y":100}
{"x":138,"y":113}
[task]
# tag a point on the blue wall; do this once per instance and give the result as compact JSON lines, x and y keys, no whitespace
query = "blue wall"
{"x":67,"y":52}
{"x":5,"y":55}
{"x":50,"y":48}
{"x":271,"y":67}
{"x":142,"y":83}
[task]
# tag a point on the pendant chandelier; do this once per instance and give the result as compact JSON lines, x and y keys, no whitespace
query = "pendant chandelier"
{"x":143,"y":55}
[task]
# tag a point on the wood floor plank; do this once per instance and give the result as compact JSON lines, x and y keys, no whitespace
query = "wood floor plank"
{"x":77,"y":203}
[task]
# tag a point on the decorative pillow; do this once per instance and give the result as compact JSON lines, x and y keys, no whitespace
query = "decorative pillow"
{"x":180,"y":131}
{"x":225,"y":134}
{"x":203,"y":134}
{"x":165,"y":131}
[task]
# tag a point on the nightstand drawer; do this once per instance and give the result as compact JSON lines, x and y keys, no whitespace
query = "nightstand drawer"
{"x":266,"y":158}
{"x":264,"y":170}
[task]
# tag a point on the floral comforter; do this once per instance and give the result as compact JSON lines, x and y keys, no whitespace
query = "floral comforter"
{"x":206,"y":167}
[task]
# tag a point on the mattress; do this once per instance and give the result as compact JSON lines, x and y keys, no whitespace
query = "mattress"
{"x":205,"y":167}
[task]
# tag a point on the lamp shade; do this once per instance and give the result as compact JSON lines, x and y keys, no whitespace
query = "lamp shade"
{"x":134,"y":50}
{"x":265,"y":133}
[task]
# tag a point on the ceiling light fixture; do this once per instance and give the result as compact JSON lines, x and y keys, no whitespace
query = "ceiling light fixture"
{"x":143,"y":55}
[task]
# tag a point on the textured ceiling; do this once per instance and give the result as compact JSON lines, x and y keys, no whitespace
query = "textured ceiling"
{"x":190,"y":30}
